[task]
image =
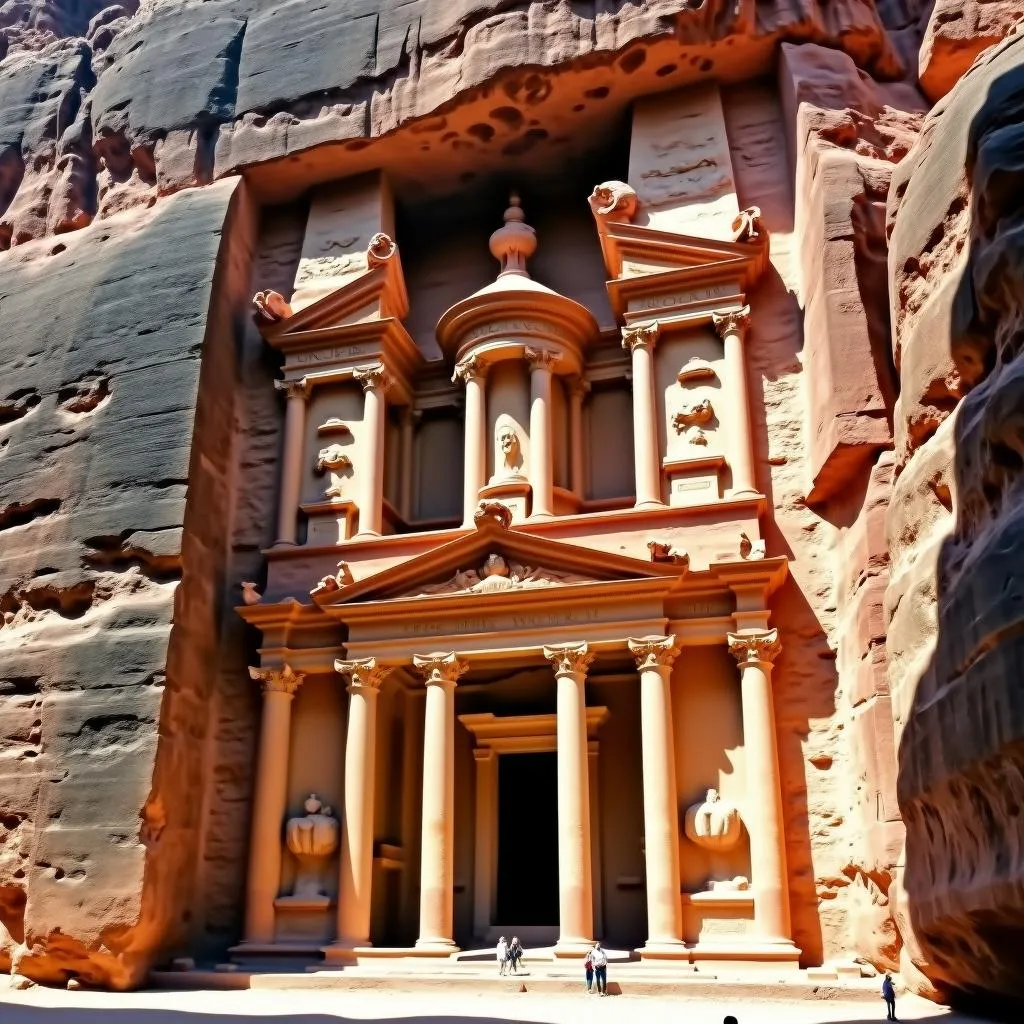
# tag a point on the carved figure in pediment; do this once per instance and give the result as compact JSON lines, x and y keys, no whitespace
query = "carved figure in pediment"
{"x":271,"y":307}
{"x":498,"y":574}
{"x":508,"y":456}
{"x":342,"y":578}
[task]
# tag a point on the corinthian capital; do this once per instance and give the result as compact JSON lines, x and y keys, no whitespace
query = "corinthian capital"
{"x":294,"y":388}
{"x":277,"y":680}
{"x":439,"y":669}
{"x":654,"y":651}
{"x":640,"y":336}
{"x":364,"y":674}
{"x":469,"y":369}
{"x":569,"y":659}
{"x":733,"y":322}
{"x":541,"y":358}
{"x":372,"y":377}
{"x":755,"y":647}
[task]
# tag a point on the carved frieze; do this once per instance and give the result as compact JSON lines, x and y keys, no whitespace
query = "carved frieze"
{"x":497,"y":575}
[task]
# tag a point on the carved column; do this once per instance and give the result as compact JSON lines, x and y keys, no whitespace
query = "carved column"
{"x":405,"y":480}
{"x":732,"y":328}
{"x":654,"y":658}
{"x":297,"y":392}
{"x":755,"y":650}
{"x":640,"y":341}
{"x":472,"y":373}
{"x":541,"y":361}
{"x":356,"y":869}
{"x":575,"y":880}
{"x":578,"y":388}
{"x":485,"y":853}
{"x":375,"y":382}
{"x":437,"y":853}
{"x":270,"y":800}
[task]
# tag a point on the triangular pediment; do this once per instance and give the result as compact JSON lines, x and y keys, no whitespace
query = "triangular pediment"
{"x":492,"y":560}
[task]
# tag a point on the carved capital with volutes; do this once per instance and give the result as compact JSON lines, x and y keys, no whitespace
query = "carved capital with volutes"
{"x":541,"y":358}
{"x":569,"y":659}
{"x":614,"y":201}
{"x":640,"y":336}
{"x":277,"y":680}
{"x":440,"y":669}
{"x":364,"y":675}
{"x":579,"y":387}
{"x":759,"y":647}
{"x":734,"y":322}
{"x":300,"y":389}
{"x":469,"y":369}
{"x":372,"y":378}
{"x":654,"y":651}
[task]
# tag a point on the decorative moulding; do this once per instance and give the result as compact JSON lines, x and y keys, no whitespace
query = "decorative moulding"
{"x":698,"y":464}
{"x":332,"y":427}
{"x":695,"y":369}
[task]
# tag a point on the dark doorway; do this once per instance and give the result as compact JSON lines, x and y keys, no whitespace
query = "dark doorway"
{"x":527,"y":839}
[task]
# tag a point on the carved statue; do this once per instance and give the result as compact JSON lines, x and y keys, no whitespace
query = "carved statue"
{"x":497,"y":574}
{"x":270,"y":307}
{"x":332,"y":458}
{"x":747,"y":226}
{"x":714,"y":824}
{"x":312,"y":839}
{"x":751,"y":550}
{"x":662,"y":551}
{"x":614,"y":201}
{"x":250,"y":595}
{"x":738,"y":884}
{"x":380,"y":249}
{"x":695,"y":416}
{"x":329,"y":584}
{"x":508,"y":458}
{"x":492,"y":512}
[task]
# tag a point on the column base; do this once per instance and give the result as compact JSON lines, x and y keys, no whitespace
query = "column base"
{"x":573,"y":948}
{"x":279,"y":543}
{"x":343,"y":952}
{"x":647,"y":506}
{"x":663,"y":949}
{"x":435,"y":947}
{"x":746,"y":492}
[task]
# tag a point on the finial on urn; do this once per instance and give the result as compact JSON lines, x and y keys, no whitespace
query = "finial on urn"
{"x":513,"y":244}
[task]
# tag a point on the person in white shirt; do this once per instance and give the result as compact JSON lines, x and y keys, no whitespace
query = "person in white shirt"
{"x":501,"y":953}
{"x":599,"y":959}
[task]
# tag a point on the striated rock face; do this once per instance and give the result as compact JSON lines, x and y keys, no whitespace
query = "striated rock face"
{"x":954,"y":599}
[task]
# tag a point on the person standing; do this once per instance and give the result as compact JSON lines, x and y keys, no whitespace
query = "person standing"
{"x":889,"y":995}
{"x":515,"y":952}
{"x":600,"y":961}
{"x":501,"y":954}
{"x":588,"y":969}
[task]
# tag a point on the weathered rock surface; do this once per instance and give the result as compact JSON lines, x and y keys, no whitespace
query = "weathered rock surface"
{"x":954,"y":526}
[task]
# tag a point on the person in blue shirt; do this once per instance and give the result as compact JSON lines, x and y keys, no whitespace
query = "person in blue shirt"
{"x":889,"y":995}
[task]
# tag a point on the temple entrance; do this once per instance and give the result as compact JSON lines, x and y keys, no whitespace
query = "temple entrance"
{"x":527,"y":839}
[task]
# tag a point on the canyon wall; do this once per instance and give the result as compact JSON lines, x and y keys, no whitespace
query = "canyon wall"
{"x":140,"y":434}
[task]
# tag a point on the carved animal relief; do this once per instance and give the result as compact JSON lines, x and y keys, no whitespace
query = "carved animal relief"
{"x":333,"y":459}
{"x":698,"y":415}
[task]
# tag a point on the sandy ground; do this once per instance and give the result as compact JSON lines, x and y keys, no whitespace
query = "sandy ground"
{"x":50,"y":1006}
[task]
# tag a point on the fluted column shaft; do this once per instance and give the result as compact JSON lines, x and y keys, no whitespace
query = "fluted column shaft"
{"x":374,"y":380}
{"x":755,"y":651}
{"x":297,"y":392}
{"x":575,"y":878}
{"x":541,"y":465}
{"x":732,"y":328}
{"x":473,"y":373}
{"x":654,"y":658}
{"x":270,"y":800}
{"x":640,"y":341}
{"x":356,"y":868}
{"x":437,"y":852}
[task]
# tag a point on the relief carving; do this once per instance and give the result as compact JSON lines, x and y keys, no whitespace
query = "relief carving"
{"x":738,"y":884}
{"x":662,"y":551}
{"x":250,"y":595}
{"x":699,"y":438}
{"x":311,"y":839}
{"x":714,"y":824}
{"x":380,"y":249}
{"x":492,"y":512}
{"x":751,"y":550}
{"x":614,"y":201}
{"x":496,"y":575}
{"x":334,"y":459}
{"x":508,"y":455}
{"x":695,"y":368}
{"x":329,"y":584}
{"x":698,"y":415}
{"x":747,"y":226}
{"x":270,"y":307}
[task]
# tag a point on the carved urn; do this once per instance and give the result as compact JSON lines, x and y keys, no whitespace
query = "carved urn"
{"x":714,"y":824}
{"x":311,"y":839}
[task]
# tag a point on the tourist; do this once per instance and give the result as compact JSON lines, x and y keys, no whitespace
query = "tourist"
{"x":600,"y":961}
{"x":501,"y":954}
{"x":588,"y":970}
{"x":515,"y":953}
{"x":889,"y":995}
